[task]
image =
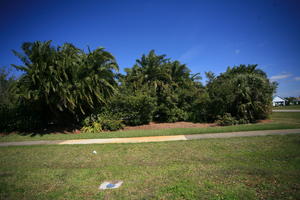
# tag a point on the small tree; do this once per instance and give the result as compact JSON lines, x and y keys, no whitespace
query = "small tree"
{"x":243,"y":91}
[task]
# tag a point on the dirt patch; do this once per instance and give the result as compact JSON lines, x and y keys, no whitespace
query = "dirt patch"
{"x":151,"y":126}
{"x":263,"y":121}
{"x":154,"y":126}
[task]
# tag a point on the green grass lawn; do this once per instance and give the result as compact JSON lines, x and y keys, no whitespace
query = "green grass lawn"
{"x":286,"y":118}
{"x":237,"y":168}
{"x":280,"y":121}
{"x":291,"y":107}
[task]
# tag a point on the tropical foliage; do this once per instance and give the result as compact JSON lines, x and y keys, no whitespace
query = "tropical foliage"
{"x":169,"y":82}
{"x":134,"y":109}
{"x":243,"y":91}
{"x":65,"y":81}
{"x":66,"y":85}
{"x":7,"y":88}
{"x":105,"y":121}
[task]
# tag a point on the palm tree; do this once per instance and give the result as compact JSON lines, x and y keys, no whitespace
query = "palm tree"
{"x":153,"y":70}
{"x":65,"y":78}
{"x":169,"y":82}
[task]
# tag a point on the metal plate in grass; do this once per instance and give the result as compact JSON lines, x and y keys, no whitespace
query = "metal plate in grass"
{"x":110,"y":185}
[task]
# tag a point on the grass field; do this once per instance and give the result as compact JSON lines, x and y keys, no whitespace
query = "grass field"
{"x":238,"y":168}
{"x":280,"y":121}
{"x":287,"y":118}
{"x":291,"y":107}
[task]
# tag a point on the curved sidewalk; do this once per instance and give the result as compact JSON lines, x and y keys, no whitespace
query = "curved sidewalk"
{"x":155,"y":138}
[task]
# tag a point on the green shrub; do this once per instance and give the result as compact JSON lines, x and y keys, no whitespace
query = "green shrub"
{"x":243,"y":121}
{"x":244,"y":91}
{"x":199,"y":109}
{"x":226,"y":120}
{"x":134,"y":109}
{"x":20,"y":118}
{"x":174,"y":114}
{"x":93,"y":127}
{"x":105,"y":121}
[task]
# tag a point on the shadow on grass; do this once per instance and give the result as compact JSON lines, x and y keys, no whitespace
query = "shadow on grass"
{"x":50,"y":129}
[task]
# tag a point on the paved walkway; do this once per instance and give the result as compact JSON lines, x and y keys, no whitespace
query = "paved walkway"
{"x":286,"y":110}
{"x":155,"y":138}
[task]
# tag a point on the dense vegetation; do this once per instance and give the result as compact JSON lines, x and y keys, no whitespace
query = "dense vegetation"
{"x":63,"y":85}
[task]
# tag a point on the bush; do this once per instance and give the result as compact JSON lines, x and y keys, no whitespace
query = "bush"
{"x":134,"y":109}
{"x":243,"y":121}
{"x":199,"y":109}
{"x":226,"y":120}
{"x":166,"y":114}
{"x":243,"y":91}
{"x":105,"y":121}
{"x":177,"y":114}
{"x":20,"y":118}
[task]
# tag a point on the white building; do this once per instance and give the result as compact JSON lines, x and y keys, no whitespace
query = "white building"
{"x":278,"y":101}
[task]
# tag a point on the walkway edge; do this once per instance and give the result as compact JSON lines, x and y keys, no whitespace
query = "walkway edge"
{"x":295,"y":110}
{"x":155,"y":138}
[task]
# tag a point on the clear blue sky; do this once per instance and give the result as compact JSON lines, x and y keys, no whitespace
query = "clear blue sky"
{"x":206,"y":35}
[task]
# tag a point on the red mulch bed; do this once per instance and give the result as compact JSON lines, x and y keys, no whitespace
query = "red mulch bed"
{"x":153,"y":126}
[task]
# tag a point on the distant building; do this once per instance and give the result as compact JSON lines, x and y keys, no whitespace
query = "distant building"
{"x":278,"y":101}
{"x":296,"y":101}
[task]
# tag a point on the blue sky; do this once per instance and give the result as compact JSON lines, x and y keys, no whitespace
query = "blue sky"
{"x":206,"y":35}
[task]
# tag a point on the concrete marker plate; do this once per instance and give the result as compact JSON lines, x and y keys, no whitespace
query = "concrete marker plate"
{"x":110,"y":185}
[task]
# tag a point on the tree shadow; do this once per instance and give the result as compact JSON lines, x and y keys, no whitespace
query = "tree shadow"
{"x":50,"y":129}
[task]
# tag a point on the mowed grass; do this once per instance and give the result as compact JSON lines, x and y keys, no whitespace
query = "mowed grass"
{"x":237,"y":168}
{"x":280,"y":121}
{"x":287,"y":117}
{"x":291,"y":107}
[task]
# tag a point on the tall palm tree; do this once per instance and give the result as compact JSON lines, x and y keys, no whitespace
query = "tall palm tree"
{"x":65,"y":78}
{"x":153,"y":70}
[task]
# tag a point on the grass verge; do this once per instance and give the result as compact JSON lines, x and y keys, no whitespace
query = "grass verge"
{"x":291,"y":107}
{"x":237,"y":168}
{"x":280,"y":121}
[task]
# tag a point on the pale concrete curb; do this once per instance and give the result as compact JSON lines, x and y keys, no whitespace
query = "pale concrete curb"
{"x":286,"y":110}
{"x":155,"y":138}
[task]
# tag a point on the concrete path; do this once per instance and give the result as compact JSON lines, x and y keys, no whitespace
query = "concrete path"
{"x":156,"y":138}
{"x":286,"y":110}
